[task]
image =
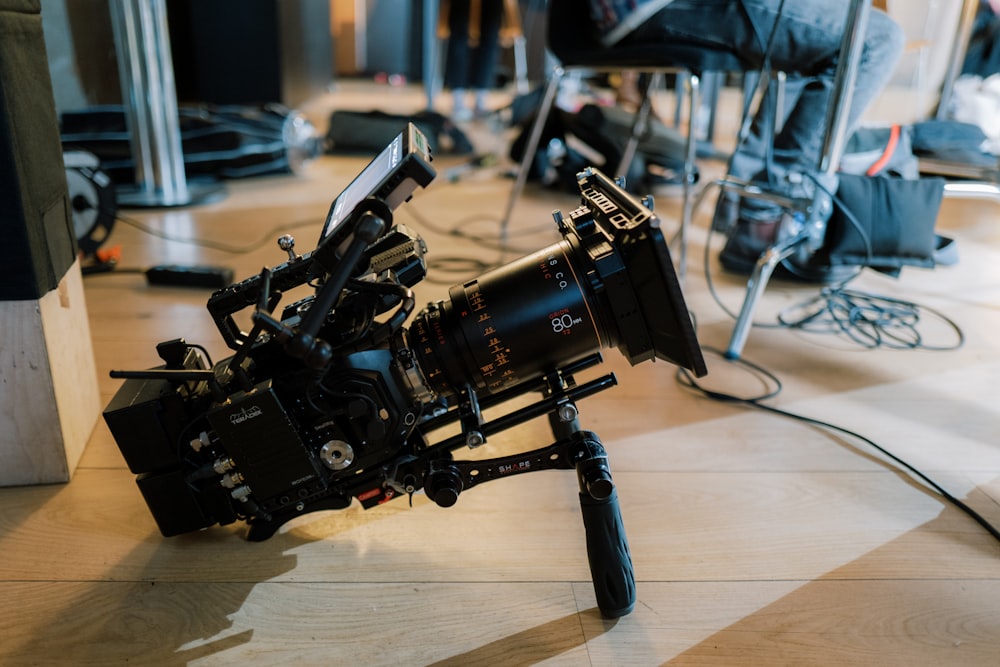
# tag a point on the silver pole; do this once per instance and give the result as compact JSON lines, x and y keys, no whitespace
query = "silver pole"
{"x":839,"y":111}
{"x":430,"y":64}
{"x":963,"y":34}
{"x":150,"y":98}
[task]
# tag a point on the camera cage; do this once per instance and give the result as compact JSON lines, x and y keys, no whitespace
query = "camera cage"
{"x":254,"y":443}
{"x":389,"y":180}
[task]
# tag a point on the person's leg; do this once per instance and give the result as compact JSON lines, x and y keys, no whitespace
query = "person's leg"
{"x":456,"y":72}
{"x":805,"y":42}
{"x":484,"y":57}
{"x":803,"y":39}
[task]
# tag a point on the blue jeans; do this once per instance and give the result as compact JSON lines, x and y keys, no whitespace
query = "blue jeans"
{"x":468,"y":66}
{"x":806,"y":45}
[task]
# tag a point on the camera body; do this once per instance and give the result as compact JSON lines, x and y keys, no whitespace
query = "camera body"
{"x":336,"y":399}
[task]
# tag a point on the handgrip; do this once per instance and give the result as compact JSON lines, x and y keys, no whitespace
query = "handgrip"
{"x":607,"y":551}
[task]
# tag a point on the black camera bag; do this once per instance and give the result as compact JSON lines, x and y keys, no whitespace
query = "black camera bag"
{"x":883,"y":222}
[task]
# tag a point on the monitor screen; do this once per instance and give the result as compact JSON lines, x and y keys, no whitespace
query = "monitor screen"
{"x":390,"y":178}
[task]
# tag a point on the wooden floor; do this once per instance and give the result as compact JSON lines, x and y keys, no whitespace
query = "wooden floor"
{"x":756,"y":539}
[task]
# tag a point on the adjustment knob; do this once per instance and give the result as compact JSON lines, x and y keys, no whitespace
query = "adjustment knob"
{"x":443,"y":486}
{"x":287,"y":243}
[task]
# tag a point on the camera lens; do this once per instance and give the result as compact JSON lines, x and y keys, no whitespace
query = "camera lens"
{"x":510,"y":324}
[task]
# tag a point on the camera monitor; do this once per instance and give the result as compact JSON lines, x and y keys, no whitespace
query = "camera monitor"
{"x":391,"y":178}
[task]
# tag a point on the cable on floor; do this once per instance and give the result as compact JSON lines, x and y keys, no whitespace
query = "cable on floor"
{"x":268,"y":237}
{"x":687,"y":380}
{"x":469,"y":266}
{"x":869,"y":320}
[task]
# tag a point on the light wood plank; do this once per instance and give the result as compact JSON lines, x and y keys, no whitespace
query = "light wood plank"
{"x":48,"y":384}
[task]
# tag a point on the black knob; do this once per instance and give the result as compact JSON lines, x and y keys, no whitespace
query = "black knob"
{"x":600,"y":486}
{"x":443,"y":486}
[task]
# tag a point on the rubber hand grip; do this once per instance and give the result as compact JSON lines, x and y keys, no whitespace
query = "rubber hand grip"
{"x":607,"y":551}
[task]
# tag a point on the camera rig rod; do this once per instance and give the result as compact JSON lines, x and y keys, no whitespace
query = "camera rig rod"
{"x":529,"y":412}
{"x":175,"y":376}
{"x":304,"y":343}
{"x":548,"y":385}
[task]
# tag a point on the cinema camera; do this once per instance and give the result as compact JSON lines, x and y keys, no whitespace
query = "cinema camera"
{"x":336,"y":399}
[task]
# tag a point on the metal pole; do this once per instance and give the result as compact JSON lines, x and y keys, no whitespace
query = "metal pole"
{"x":146,"y":70}
{"x":839,"y":111}
{"x":431,"y":9}
{"x":963,"y":34}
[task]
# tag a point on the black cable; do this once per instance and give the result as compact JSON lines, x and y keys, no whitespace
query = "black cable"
{"x":201,"y":348}
{"x":869,"y":320}
{"x":453,"y":265}
{"x":766,"y":47}
{"x":685,"y":379}
{"x":470,"y":266}
{"x":764,"y":76}
{"x":218,"y":245}
{"x":460,"y":230}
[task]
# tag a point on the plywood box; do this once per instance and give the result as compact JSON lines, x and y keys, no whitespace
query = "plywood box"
{"x":49,"y":399}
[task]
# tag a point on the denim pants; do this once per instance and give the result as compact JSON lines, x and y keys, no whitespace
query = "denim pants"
{"x":805,"y":43}
{"x":468,"y":66}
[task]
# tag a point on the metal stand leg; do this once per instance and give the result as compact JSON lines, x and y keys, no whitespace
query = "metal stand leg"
{"x":640,"y":123}
{"x":692,"y":84}
{"x":430,"y":55}
{"x":530,"y":147}
{"x":690,"y":153}
{"x":961,"y":44}
{"x":521,"y":65}
{"x":147,"y":78}
{"x":973,"y":181}
{"x":765,"y":266}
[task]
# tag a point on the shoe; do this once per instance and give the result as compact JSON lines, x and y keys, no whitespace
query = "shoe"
{"x":755,"y":229}
{"x":727,"y":209}
{"x":740,"y":256}
{"x":759,"y":225}
{"x":945,"y":251}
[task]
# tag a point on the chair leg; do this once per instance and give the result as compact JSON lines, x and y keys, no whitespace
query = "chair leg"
{"x":712,"y":84}
{"x":639,"y":124}
{"x":762,"y":271}
{"x":690,"y":154}
{"x":520,"y":65}
{"x":531,"y":147}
